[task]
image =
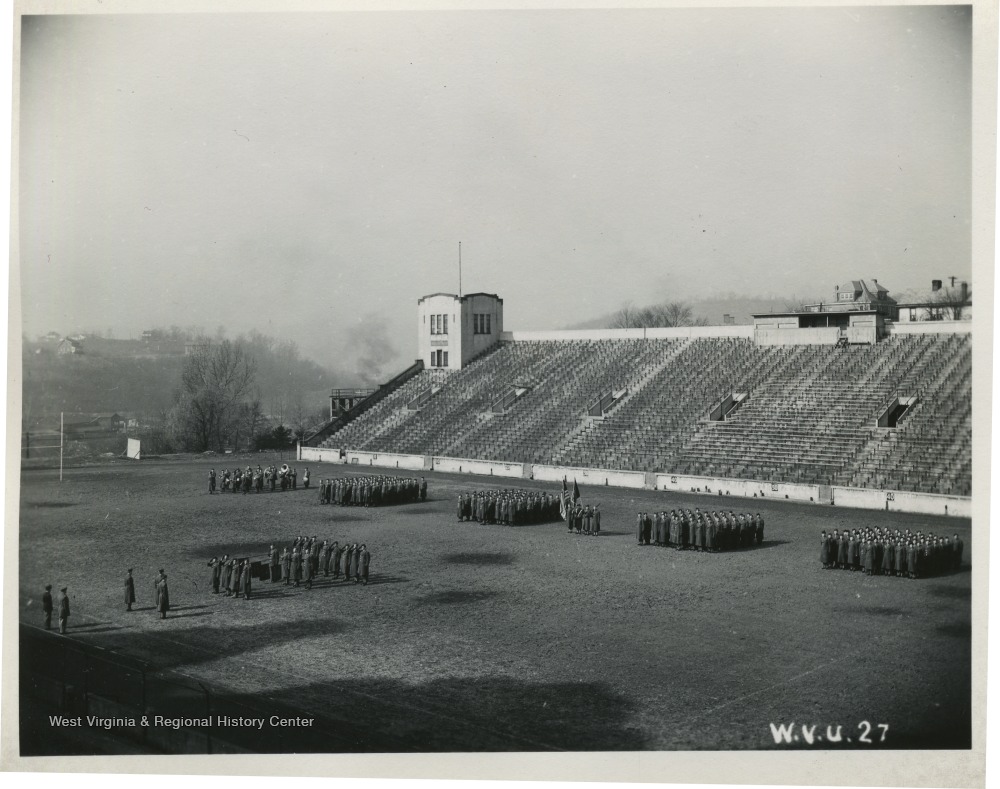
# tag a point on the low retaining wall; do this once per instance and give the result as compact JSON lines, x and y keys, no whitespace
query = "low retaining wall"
{"x":384,"y":460}
{"x":678,"y":333}
{"x":487,"y":468}
{"x":902,"y":501}
{"x":737,"y":487}
{"x":931,"y":327}
{"x":589,"y":476}
{"x":374,"y":459}
{"x":317,"y":455}
{"x":861,"y":498}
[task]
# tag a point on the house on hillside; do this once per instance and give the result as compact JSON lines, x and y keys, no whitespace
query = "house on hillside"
{"x":940,"y":304}
{"x":103,"y":348}
{"x":860,"y":295}
{"x":191,"y":348}
{"x":68,"y":346}
{"x":92,"y":424}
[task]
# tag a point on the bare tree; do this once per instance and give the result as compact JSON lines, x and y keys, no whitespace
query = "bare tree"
{"x":949,"y":304}
{"x":215,"y":383}
{"x":666,"y":315}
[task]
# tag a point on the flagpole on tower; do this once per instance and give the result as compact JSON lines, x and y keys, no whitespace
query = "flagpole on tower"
{"x":460,"y":269}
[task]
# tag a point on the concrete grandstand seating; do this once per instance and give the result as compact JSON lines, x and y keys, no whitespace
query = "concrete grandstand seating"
{"x":811,"y":414}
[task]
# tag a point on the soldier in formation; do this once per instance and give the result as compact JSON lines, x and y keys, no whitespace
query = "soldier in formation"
{"x":298,"y":564}
{"x":702,"y":531}
{"x":881,"y":551}
{"x":584,"y":519}
{"x":370,"y":491}
{"x":510,"y":507}
{"x":251,"y":480}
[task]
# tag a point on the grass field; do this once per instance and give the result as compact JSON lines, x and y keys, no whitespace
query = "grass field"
{"x":493,"y":638}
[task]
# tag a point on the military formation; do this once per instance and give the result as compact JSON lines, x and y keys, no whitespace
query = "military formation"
{"x":872,"y":551}
{"x":251,"y":480}
{"x":377,"y":490}
{"x":701,"y":531}
{"x":584,"y":519}
{"x":510,"y":507}
{"x":902,"y":554}
{"x":296,"y":565}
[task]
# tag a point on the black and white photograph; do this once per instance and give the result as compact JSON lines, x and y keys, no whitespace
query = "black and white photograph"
{"x":606,"y":387}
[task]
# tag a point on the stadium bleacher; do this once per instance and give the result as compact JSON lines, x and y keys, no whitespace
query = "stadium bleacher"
{"x":809,"y":413}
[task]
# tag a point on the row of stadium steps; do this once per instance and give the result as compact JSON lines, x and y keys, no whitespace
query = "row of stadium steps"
{"x":814,"y":425}
{"x":379,"y":417}
{"x":929,"y":450}
{"x":568,"y":445}
{"x":809,"y":413}
{"x":645,"y":431}
{"x":557,"y":405}
{"x":464,"y":401}
{"x":802,"y":425}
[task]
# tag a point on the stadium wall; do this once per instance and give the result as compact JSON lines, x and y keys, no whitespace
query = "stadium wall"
{"x":931,"y":327}
{"x":682,"y":333}
{"x":385,"y":460}
{"x":750,"y":488}
{"x":902,"y":501}
{"x":486,"y":468}
{"x":590,"y":476}
{"x":861,"y":498}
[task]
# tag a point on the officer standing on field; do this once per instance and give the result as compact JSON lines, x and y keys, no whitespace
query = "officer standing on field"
{"x":63,"y":611}
{"x":47,"y":606}
{"x":129,"y":591}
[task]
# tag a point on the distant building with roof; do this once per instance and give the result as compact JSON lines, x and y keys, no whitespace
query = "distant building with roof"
{"x":859,"y":295}
{"x":857,"y":314}
{"x":68,"y":346}
{"x":940,"y":304}
{"x":453,"y":329}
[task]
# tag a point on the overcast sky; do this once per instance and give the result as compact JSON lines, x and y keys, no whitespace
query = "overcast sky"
{"x":305,"y":174}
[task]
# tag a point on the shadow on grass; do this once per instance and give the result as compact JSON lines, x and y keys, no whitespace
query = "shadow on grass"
{"x":875,"y":610}
{"x":961,"y":630}
{"x":218,"y":550}
{"x":50,"y":505}
{"x":951,"y":592}
{"x":452,"y":596}
{"x":479,"y":559}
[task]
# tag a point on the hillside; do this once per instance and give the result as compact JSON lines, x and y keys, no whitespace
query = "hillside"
{"x":129,"y":377}
{"x":739,"y":306}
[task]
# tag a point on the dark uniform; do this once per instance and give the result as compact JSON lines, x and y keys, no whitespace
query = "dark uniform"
{"x":63,"y":611}
{"x":47,"y":606}
{"x":273,"y":565}
{"x":245,"y":580}
{"x":129,"y":591}
{"x":162,"y":596}
{"x":366,"y":559}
